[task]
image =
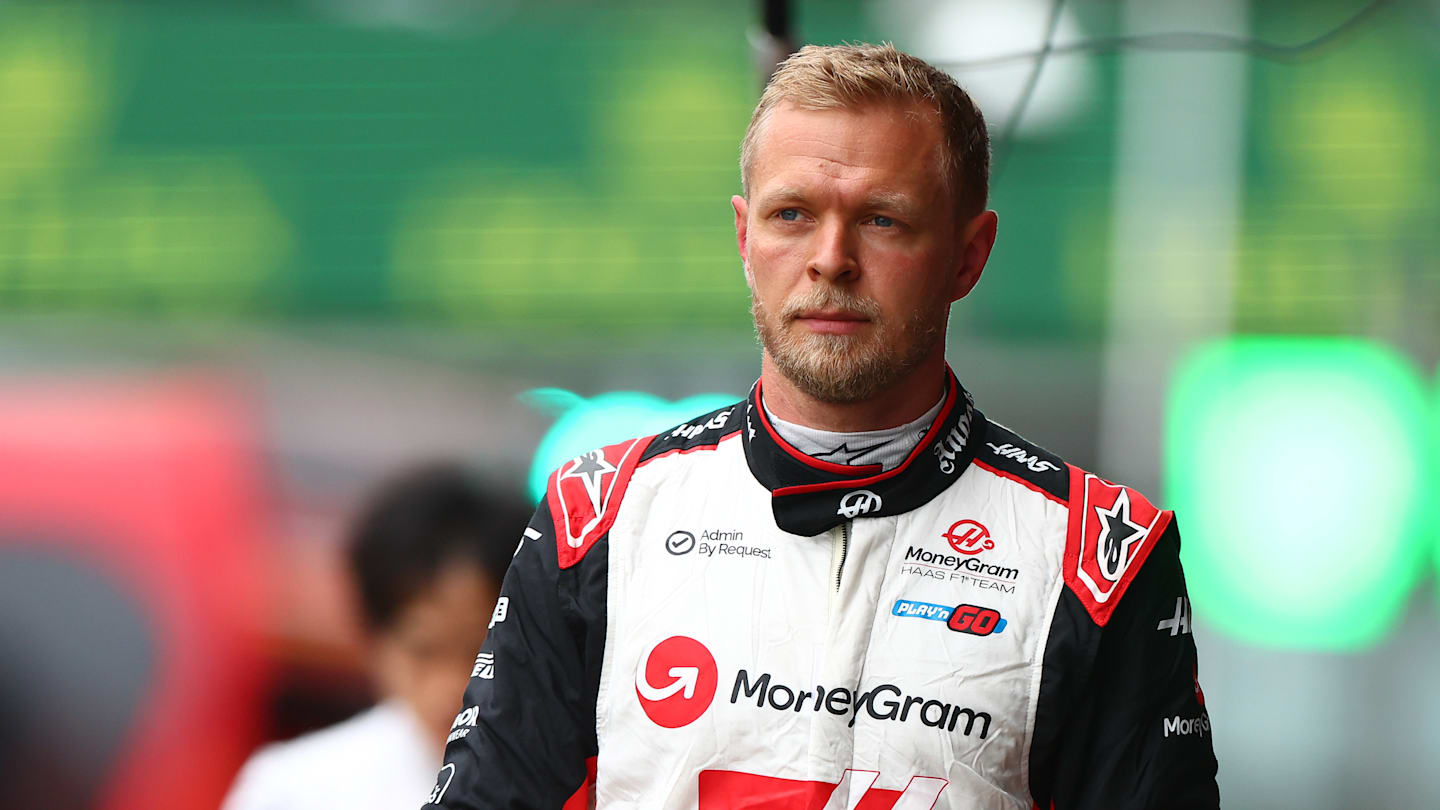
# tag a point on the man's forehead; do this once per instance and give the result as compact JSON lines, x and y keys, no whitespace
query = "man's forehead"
{"x":892,"y":149}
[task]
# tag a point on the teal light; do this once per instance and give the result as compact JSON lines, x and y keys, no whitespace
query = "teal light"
{"x":1298,"y":469}
{"x":585,"y":424}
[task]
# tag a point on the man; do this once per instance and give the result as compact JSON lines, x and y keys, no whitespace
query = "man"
{"x":850,"y":590}
{"x":427,"y":554}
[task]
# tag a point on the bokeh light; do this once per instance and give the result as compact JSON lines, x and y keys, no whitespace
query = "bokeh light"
{"x":1298,"y":467}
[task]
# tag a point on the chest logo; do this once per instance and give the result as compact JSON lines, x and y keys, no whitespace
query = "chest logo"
{"x":857,"y":503}
{"x":675,"y":681}
{"x":969,"y":537}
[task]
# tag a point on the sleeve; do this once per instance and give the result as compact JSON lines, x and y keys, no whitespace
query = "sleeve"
{"x":525,"y":736}
{"x":1130,"y":730}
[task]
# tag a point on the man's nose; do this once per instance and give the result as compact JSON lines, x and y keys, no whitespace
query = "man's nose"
{"x":832,"y":252}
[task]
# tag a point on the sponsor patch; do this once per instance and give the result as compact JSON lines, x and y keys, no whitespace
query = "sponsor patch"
{"x":675,"y":681}
{"x":1112,"y":530}
{"x":969,"y":537}
{"x":1020,"y":456}
{"x":1178,"y":726}
{"x":680,"y":542}
{"x":484,"y":666}
{"x":501,"y":612}
{"x":585,"y":494}
{"x":1179,"y":624}
{"x":884,"y":702}
{"x":972,"y":619}
{"x":922,"y":610}
{"x":857,"y":503}
{"x":975,"y":620}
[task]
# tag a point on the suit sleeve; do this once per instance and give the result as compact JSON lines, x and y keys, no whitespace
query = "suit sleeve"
{"x":525,"y":735}
{"x":1128,"y":731}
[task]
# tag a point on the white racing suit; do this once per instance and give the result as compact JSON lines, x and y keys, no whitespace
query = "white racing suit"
{"x":710,"y":619}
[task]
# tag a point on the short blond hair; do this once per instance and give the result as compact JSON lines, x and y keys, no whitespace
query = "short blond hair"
{"x":852,"y":77}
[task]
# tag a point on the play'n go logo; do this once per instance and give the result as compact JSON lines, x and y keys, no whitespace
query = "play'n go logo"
{"x":676,"y":681}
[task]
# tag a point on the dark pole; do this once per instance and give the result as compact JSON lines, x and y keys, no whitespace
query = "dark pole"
{"x":776,"y":38}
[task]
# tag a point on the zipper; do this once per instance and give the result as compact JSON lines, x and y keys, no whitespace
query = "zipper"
{"x":843,"y":551}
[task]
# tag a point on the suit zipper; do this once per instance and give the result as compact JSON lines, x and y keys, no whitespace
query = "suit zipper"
{"x":844,"y":550}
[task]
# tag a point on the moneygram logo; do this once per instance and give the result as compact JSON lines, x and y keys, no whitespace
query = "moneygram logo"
{"x":969,"y":537}
{"x":675,"y":681}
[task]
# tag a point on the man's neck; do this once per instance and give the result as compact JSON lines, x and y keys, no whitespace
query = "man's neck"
{"x":901,"y":403}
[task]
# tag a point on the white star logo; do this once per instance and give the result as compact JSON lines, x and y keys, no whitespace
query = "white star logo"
{"x":590,"y":468}
{"x":1117,"y":534}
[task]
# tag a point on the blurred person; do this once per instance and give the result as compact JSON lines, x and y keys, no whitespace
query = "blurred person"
{"x":851,"y":588}
{"x":427,"y":554}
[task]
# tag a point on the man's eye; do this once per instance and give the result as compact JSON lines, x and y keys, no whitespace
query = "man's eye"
{"x":883,"y":221}
{"x":789,"y":214}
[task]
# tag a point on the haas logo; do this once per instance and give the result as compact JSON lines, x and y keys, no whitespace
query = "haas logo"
{"x":969,"y":537}
{"x":857,"y":503}
{"x":676,"y":681}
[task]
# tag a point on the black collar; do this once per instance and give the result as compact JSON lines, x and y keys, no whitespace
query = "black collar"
{"x":810,"y":496}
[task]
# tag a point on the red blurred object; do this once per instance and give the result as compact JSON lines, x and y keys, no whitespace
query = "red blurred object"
{"x":157,"y":487}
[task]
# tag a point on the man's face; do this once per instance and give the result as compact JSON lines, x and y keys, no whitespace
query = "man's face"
{"x":425,"y":656}
{"x":852,"y":245}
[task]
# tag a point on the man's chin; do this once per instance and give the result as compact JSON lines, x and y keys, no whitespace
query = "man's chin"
{"x":827,"y":343}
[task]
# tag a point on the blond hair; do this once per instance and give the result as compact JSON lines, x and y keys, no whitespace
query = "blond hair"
{"x":852,"y":77}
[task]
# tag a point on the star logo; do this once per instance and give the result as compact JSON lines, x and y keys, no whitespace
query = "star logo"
{"x":1112,"y":531}
{"x":845,"y":454}
{"x":1117,"y":534}
{"x":591,"y":469}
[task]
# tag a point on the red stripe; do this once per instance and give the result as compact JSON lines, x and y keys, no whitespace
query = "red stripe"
{"x":1021,"y":481}
{"x":683,"y":450}
{"x":925,"y":442}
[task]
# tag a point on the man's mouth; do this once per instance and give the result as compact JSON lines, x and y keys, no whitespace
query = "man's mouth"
{"x":832,"y":321}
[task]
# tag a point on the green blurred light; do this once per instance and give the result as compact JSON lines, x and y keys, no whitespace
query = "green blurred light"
{"x":585,"y":424}
{"x":1297,"y":468}
{"x":1432,"y":489}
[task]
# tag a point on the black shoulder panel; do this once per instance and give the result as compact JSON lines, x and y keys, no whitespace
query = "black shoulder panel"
{"x":1003,"y":451}
{"x":702,"y":431}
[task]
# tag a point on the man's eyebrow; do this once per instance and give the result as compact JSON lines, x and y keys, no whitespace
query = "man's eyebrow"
{"x":892,"y":200}
{"x":782,"y":194}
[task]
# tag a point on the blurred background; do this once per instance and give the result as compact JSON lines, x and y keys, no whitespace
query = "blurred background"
{"x":256,"y":256}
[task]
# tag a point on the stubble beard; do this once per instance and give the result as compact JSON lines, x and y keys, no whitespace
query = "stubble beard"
{"x":845,"y":369}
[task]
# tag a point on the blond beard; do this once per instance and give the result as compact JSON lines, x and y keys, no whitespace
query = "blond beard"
{"x":845,"y":369}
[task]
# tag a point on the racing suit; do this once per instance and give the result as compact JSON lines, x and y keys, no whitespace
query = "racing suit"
{"x":709,"y":618}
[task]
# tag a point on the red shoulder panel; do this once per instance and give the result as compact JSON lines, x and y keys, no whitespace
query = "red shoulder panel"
{"x":585,"y":494}
{"x":1112,"y":530}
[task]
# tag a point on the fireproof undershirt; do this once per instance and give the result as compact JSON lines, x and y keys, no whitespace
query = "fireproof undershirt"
{"x":886,"y":447}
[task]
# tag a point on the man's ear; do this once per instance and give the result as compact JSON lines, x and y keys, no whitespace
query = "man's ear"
{"x":978,"y":237}
{"x":741,"y":207}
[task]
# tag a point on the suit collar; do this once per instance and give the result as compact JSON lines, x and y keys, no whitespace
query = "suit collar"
{"x":810,"y":496}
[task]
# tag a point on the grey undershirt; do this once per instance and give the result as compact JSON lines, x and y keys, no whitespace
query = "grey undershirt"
{"x":886,"y":447}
